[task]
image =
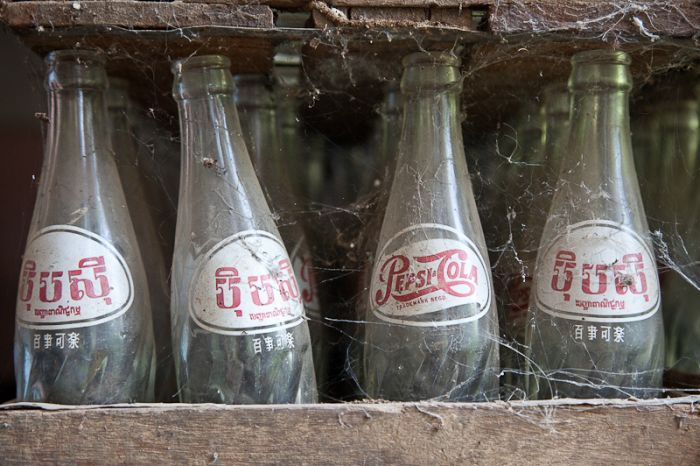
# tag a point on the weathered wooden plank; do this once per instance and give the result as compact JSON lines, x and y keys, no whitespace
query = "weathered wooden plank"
{"x":411,"y":3}
{"x":453,"y":17}
{"x":134,"y":15}
{"x":389,"y":14}
{"x":644,"y":18}
{"x":382,"y":18}
{"x":423,"y":433}
{"x":283,"y":4}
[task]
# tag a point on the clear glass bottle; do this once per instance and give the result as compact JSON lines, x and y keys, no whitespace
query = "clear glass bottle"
{"x":84,"y":333}
{"x":681,"y":314}
{"x":677,"y":126}
{"x":386,"y":138}
{"x":126,"y":155}
{"x":432,"y":328}
{"x":158,"y":156}
{"x":255,"y":102}
{"x":677,"y":217}
{"x":238,"y":317}
{"x":542,"y":178}
{"x":595,"y":326}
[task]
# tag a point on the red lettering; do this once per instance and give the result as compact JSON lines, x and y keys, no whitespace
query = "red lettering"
{"x":563,"y":276}
{"x":80,"y":287}
{"x":455,"y":276}
{"x":289,"y":289}
{"x":601,"y":278}
{"x":26,"y":286}
{"x":308,"y":278}
{"x":55,"y":283}
{"x":228,"y":295}
{"x":258,"y":283}
{"x":392,"y":268}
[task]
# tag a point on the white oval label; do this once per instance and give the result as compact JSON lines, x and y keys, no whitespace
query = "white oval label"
{"x":598,"y":271}
{"x":245,"y":285}
{"x":430,"y":276}
{"x":306,"y":277}
{"x":72,"y":278}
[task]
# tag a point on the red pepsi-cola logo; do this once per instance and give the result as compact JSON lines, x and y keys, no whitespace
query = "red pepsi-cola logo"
{"x":406,"y":278}
{"x":430,"y":275}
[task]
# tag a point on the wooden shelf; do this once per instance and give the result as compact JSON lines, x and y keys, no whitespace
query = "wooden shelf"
{"x":552,"y":432}
{"x":510,"y":48}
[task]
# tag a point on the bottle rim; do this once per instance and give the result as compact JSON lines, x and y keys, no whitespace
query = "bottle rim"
{"x":200,"y":61}
{"x":117,"y":92}
{"x":80,"y":56}
{"x":602,"y":57}
{"x":431,"y":59}
{"x":248,"y":88}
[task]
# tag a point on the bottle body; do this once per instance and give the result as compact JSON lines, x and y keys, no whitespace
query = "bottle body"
{"x":432,"y":324}
{"x":150,"y":246}
{"x":84,"y":332}
{"x":595,"y":321}
{"x":255,"y":103}
{"x":238,"y":321}
{"x":542,"y":179}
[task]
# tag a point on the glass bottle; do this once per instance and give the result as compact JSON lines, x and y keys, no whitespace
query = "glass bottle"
{"x":385,"y":138}
{"x":256,"y":107}
{"x":432,"y":327}
{"x":645,"y":140}
{"x":677,"y":126}
{"x":543,"y":176}
{"x":158,"y":156}
{"x":595,"y":329}
{"x":681,"y":296}
{"x":677,"y":121}
{"x":128,"y":165}
{"x":84,"y":333}
{"x":238,"y":317}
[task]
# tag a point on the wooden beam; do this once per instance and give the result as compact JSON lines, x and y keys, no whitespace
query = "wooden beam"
{"x":555,"y":432}
{"x":45,"y":15}
{"x":411,"y":3}
{"x":605,"y":18}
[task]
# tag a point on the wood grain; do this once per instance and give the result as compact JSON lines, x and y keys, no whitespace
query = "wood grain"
{"x":423,"y":433}
{"x":133,"y":15}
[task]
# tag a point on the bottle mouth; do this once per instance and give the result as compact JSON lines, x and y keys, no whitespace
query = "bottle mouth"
{"x":200,"y":61}
{"x":600,"y":70}
{"x":428,"y":73}
{"x":602,"y":57}
{"x":254,"y":90}
{"x":117,"y":93}
{"x":201,"y":75}
{"x":431,"y":59}
{"x":68,"y":69}
{"x":77,"y":56}
{"x":556,"y":99}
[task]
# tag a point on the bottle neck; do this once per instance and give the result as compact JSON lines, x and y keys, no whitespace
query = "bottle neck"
{"x":600,"y":135}
{"x":556,"y":134}
{"x":79,"y":175}
{"x":431,"y":169}
{"x":431,"y":131}
{"x":260,"y":130}
{"x":208,"y":125}
{"x":598,"y":176}
{"x":219,"y":192}
{"x":78,"y":120}
{"x":78,"y":141}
